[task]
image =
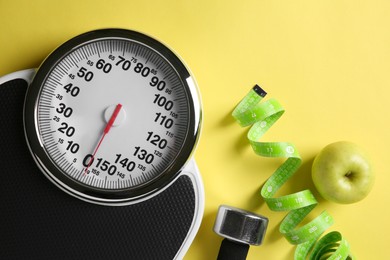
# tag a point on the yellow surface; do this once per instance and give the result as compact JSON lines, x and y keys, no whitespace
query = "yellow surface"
{"x":327,"y":62}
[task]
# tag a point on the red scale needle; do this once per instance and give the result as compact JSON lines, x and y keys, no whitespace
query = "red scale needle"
{"x":105,"y":131}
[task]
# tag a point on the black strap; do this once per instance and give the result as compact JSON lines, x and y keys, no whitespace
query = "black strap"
{"x":230,"y":250}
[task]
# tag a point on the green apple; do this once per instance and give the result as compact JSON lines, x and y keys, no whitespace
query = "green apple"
{"x":342,"y":173}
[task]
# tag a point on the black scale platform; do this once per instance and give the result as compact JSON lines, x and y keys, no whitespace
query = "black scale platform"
{"x":39,"y":221}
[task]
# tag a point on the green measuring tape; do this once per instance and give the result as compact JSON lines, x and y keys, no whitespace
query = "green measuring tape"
{"x":262,"y":116}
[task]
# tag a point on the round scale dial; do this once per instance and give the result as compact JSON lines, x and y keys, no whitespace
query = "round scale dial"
{"x":112,"y":116}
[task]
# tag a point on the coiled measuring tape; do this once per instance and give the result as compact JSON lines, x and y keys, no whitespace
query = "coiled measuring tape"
{"x":262,"y":116}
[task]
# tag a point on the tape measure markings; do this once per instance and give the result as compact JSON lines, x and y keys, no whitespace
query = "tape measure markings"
{"x":261,"y":116}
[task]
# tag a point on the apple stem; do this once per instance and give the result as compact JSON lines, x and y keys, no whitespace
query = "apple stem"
{"x":349,"y":174}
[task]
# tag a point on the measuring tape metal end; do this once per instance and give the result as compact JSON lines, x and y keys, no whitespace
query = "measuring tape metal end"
{"x":261,"y":92}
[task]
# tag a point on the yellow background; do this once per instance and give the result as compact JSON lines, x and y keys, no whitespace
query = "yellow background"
{"x":327,"y":62}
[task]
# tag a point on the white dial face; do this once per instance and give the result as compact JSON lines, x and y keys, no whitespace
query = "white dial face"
{"x":112,"y":114}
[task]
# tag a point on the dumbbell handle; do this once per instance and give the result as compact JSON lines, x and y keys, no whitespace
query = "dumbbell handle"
{"x":240,"y":229}
{"x":231,"y":250}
